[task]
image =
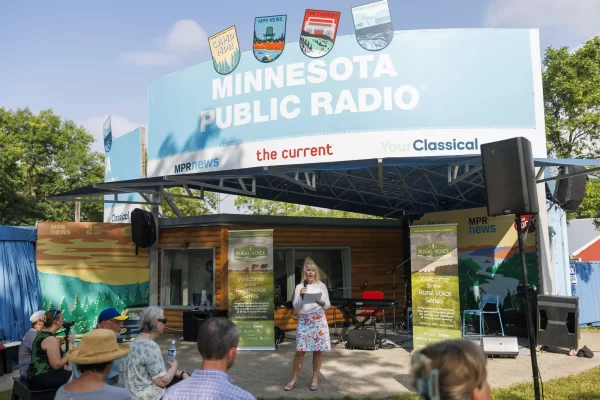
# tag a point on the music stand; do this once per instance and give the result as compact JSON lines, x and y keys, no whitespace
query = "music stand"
{"x":393,"y":271}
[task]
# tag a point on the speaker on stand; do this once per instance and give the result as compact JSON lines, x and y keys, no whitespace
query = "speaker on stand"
{"x":510,"y":182}
{"x":569,"y":192}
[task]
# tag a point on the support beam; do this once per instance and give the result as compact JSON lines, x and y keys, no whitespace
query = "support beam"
{"x":468,"y":173}
{"x":557,"y":177}
{"x":173,"y":206}
{"x":293,"y":180}
{"x":380,"y":172}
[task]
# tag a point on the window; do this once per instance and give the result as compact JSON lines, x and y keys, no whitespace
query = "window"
{"x":334,"y":265}
{"x":188,"y":277}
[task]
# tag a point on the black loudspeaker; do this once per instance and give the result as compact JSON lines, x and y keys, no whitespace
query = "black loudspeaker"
{"x":367,"y":339}
{"x":570,"y":192}
{"x":193,"y":319}
{"x":143,"y":229}
{"x":509,"y":177}
{"x":558,"y":321}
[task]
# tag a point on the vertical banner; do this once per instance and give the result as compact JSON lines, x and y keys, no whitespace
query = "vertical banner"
{"x":124,"y":159}
{"x":434,"y":279}
{"x":251,"y":291}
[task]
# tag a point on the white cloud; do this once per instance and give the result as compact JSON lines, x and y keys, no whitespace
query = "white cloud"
{"x":186,"y":37}
{"x":578,"y":16}
{"x":120,"y":126}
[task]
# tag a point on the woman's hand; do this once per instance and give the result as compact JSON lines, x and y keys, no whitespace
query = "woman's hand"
{"x":303,"y":290}
{"x":320,"y":302}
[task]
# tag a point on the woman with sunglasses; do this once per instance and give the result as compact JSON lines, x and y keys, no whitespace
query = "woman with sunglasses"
{"x":47,"y":368}
{"x":143,"y":371}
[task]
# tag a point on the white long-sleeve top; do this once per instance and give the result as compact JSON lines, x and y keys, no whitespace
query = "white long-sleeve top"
{"x":312,"y":307}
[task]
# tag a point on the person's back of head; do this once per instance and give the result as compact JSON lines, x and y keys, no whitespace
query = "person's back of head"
{"x":218,"y":339}
{"x":451,"y":370}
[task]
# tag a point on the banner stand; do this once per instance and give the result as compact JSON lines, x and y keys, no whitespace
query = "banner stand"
{"x":250,"y":288}
{"x":434,"y":281}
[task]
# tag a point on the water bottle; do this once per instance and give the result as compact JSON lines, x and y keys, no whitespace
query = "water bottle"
{"x":72,"y":343}
{"x":172,"y":352}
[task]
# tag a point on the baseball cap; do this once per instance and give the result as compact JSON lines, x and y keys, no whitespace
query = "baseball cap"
{"x":111,"y":313}
{"x":35,"y":317}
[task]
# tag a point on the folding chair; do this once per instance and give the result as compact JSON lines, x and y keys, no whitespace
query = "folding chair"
{"x":487,"y":301}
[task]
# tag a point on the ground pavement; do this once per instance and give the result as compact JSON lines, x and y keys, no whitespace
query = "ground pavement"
{"x":360,"y":373}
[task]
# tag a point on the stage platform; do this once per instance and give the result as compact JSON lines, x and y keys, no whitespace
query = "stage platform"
{"x":359,"y":373}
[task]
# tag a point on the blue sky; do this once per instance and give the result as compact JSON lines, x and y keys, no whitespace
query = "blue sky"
{"x":88,"y":60}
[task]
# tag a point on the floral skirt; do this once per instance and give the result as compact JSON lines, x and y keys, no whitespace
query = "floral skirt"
{"x":312,"y":333}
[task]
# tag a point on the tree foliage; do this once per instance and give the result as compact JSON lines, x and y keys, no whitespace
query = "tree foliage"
{"x":269,"y":207}
{"x":571,"y":82}
{"x":190,"y":207}
{"x":42,"y":155}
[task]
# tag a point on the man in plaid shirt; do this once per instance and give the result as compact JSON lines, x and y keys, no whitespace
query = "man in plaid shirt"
{"x":217,"y":342}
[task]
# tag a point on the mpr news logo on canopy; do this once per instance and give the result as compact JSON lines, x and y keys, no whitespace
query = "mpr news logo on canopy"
{"x":251,"y":253}
{"x":434,"y":251}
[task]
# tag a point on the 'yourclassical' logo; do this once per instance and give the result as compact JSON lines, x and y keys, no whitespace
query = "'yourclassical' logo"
{"x":433,"y":251}
{"x":250,"y":253}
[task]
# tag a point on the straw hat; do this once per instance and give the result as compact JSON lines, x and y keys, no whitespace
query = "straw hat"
{"x":98,"y":346}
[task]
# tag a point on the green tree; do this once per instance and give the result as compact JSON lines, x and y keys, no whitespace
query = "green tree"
{"x":42,"y":155}
{"x":269,"y":207}
{"x":137,"y":297}
{"x":190,"y":207}
{"x":127,"y":299}
{"x":64,"y":307}
{"x":44,"y":303}
{"x":51,"y":305}
{"x":147,"y":296}
{"x":571,"y":81}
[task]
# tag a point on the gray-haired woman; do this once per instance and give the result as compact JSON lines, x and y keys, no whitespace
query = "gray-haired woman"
{"x":143,"y":371}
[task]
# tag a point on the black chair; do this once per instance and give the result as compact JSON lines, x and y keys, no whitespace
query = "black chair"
{"x":21,"y":391}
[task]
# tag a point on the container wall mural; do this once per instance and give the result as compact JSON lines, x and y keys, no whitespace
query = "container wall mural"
{"x":488,"y":259}
{"x":87,"y":267}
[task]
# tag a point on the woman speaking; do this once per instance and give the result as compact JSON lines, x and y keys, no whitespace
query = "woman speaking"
{"x":312,"y":332}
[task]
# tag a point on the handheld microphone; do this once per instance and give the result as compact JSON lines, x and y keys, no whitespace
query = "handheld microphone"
{"x":305,"y":283}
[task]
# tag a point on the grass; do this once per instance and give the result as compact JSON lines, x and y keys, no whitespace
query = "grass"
{"x":583,"y":386}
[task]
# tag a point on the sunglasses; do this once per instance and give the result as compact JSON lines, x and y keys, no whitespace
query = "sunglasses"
{"x":163,"y":320}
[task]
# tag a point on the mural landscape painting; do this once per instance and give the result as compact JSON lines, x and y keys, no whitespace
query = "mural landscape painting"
{"x":87,"y":267}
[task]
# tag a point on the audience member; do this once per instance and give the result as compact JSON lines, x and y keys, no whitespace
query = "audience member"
{"x":143,"y":371}
{"x":451,"y":370}
{"x":113,"y":320}
{"x":25,"y":347}
{"x":47,"y":368}
{"x":94,"y":358}
{"x":217,"y":342}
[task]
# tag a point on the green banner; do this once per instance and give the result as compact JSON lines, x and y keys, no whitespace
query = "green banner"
{"x":434,"y":280}
{"x":251,"y":291}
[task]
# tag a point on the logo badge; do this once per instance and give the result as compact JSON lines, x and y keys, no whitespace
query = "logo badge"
{"x":225,"y":50}
{"x":251,"y":253}
{"x":319,"y":29}
{"x":107,"y":130}
{"x":434,"y":251}
{"x":269,"y":37}
{"x":373,"y":25}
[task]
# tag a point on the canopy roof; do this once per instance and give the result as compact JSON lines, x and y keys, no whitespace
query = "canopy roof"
{"x":18,"y":233}
{"x":389,"y":187}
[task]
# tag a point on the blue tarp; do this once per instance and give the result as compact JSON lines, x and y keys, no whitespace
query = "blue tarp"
{"x":586,"y":286}
{"x":19,"y":285}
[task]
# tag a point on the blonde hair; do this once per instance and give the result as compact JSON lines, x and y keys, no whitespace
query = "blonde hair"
{"x":310,"y":263}
{"x":449,"y":370}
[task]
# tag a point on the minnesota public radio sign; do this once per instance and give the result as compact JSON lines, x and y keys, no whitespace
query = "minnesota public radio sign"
{"x":339,"y":98}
